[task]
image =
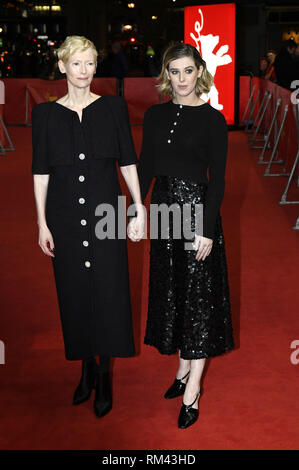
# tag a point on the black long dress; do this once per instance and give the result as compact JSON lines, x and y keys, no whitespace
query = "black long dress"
{"x":91,"y":274}
{"x":189,"y":301}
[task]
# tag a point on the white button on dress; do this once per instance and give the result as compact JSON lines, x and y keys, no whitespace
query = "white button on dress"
{"x":81,"y":178}
{"x":83,"y":222}
{"x":81,"y":156}
{"x":81,"y":200}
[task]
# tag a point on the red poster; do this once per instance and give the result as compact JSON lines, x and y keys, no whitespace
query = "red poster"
{"x":211,"y":29}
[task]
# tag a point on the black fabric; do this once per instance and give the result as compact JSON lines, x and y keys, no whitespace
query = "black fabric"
{"x":104,"y":364}
{"x":94,"y":301}
{"x":189,"y":301}
{"x":198,"y":143}
{"x":106,"y":128}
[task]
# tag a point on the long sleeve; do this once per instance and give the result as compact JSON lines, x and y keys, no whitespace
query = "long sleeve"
{"x":145,"y":167}
{"x":217,"y":148}
{"x":39,"y":117}
{"x":145,"y":164}
{"x":125,"y":141}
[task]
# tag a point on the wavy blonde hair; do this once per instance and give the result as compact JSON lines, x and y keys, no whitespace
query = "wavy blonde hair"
{"x":177,"y":51}
{"x":74,"y":44}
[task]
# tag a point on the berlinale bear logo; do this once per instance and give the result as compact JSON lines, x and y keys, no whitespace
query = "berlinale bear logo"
{"x":206,"y":48}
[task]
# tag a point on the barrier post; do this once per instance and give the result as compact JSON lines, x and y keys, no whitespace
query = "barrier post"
{"x":252,"y":111}
{"x":261,"y":159}
{"x":267,"y":171}
{"x":249,"y":103}
{"x":258,"y":113}
{"x":254,"y":138}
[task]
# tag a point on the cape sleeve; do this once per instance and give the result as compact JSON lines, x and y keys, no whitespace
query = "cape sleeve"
{"x":217,"y":149}
{"x":39,"y":119}
{"x":125,"y":141}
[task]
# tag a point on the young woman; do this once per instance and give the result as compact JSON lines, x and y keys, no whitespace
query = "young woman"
{"x":76,"y":142}
{"x":189,"y":303}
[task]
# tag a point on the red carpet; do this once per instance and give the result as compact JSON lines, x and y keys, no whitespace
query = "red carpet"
{"x":251,"y":393}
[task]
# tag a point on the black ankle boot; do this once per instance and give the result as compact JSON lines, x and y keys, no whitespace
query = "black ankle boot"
{"x":87,"y":382}
{"x":103,"y":396}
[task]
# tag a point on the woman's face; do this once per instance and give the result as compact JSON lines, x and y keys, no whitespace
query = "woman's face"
{"x":263,"y":64}
{"x":80,"y":68}
{"x":183,"y":75}
{"x":271,"y":57}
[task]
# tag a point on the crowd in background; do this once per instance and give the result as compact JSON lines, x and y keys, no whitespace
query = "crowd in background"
{"x":281,"y":68}
{"x":35,"y":58}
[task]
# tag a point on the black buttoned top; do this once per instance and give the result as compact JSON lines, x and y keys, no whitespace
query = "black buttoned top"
{"x":187,"y":142}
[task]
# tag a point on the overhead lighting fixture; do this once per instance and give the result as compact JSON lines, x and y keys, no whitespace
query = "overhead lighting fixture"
{"x":41,"y":7}
{"x":127,"y":27}
{"x":131,"y":5}
{"x":154,"y":17}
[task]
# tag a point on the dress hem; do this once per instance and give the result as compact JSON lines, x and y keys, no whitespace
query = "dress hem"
{"x":184,"y":356}
{"x":68,"y":358}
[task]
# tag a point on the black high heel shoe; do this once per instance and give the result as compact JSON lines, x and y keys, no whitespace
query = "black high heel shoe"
{"x":103,"y":396}
{"x":188,"y":415}
{"x":87,"y":382}
{"x":177,"y":388}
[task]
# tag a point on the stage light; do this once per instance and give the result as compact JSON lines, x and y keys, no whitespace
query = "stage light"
{"x":132,"y":40}
{"x":131,"y":5}
{"x":154,"y":17}
{"x":127,"y":27}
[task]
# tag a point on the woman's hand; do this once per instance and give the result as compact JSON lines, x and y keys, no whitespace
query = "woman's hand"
{"x":136,"y":228}
{"x":203,"y":246}
{"x":45,"y":239}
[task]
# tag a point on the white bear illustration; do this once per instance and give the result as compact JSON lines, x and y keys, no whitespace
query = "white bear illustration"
{"x":207,"y":46}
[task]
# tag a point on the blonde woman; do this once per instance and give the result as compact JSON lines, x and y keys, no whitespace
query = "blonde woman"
{"x":76,"y":143}
{"x":189,"y":304}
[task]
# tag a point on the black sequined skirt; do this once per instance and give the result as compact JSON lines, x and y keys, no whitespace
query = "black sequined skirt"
{"x":189,"y":301}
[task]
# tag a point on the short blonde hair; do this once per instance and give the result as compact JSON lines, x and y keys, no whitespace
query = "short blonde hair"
{"x":74,"y":44}
{"x":177,"y":51}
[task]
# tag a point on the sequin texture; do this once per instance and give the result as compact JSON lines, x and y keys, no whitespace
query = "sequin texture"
{"x":189,"y":301}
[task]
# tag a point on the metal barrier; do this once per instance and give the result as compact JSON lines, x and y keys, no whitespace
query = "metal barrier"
{"x":295,"y":165}
{"x":263,"y":110}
